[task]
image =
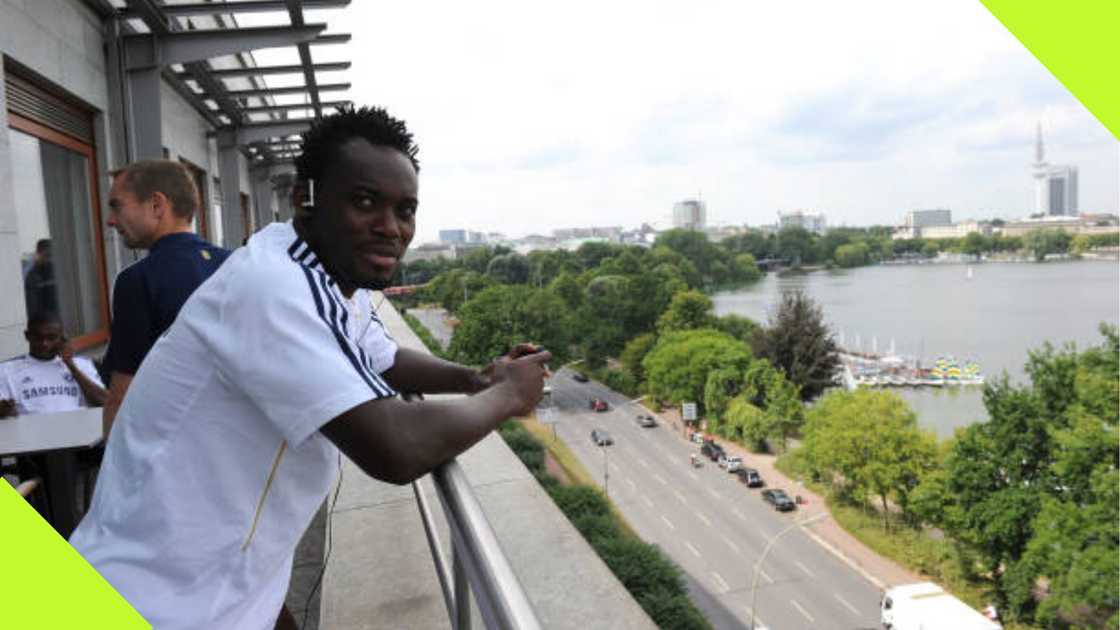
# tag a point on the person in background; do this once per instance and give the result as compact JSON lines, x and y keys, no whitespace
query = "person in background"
{"x":38,"y":281}
{"x":151,"y":205}
{"x":49,"y":378}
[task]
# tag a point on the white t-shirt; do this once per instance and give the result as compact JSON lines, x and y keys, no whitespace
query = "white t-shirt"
{"x":40,"y":386}
{"x":215,"y":464}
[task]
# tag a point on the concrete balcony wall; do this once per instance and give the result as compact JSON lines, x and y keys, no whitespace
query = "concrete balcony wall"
{"x":380,"y":572}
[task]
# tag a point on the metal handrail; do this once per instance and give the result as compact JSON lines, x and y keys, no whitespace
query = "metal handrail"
{"x":477,"y":555}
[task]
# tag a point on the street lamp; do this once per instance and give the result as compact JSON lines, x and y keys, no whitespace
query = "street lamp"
{"x":766,"y":551}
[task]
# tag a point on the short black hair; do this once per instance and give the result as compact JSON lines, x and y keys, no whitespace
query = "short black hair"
{"x":43,"y":318}
{"x":332,"y":131}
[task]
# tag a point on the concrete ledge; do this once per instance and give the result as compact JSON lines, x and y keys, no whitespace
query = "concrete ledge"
{"x":380,"y":572}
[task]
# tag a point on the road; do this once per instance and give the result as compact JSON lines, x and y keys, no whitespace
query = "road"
{"x":712,"y":526}
{"x":435,"y":320}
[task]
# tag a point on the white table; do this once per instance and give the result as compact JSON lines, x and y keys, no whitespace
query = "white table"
{"x":55,"y":435}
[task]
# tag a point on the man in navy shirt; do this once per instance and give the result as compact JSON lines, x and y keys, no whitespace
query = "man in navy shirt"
{"x":151,"y":205}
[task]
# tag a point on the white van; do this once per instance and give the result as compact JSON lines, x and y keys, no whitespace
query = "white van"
{"x":926,"y":606}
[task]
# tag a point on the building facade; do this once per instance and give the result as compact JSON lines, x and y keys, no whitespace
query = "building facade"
{"x":814,"y":223}
{"x":1055,"y":186}
{"x":690,"y":214}
{"x":87,"y":86}
{"x":928,"y":218}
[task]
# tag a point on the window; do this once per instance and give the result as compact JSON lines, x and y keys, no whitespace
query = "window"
{"x":60,"y":256}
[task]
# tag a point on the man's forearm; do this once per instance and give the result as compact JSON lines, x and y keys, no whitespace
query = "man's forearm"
{"x":418,"y":372}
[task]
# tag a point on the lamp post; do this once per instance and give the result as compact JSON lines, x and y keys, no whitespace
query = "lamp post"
{"x":606,"y":473}
{"x":766,"y":551}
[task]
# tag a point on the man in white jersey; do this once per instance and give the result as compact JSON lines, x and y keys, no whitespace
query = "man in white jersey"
{"x":49,"y":377}
{"x":229,"y":437}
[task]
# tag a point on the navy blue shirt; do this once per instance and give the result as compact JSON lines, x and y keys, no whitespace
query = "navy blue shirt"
{"x":148,"y":294}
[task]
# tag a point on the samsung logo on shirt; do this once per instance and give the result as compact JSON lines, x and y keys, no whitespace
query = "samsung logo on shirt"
{"x":54,"y":390}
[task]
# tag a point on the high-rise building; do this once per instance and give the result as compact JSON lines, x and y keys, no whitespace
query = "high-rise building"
{"x":690,"y":214}
{"x":814,"y":223}
{"x":929,"y":218}
{"x":453,"y":236}
{"x":1055,"y":186}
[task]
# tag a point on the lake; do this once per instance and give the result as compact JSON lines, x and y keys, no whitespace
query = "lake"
{"x":993,"y":317}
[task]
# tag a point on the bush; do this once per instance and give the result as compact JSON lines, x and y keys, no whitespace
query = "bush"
{"x":619,"y":382}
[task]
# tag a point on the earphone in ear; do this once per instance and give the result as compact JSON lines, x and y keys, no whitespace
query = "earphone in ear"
{"x":310,"y":201}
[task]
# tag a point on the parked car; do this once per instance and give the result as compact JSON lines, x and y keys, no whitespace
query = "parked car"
{"x":779,"y":499}
{"x":580,"y":377}
{"x":730,"y":462}
{"x":598,"y":404}
{"x":601,"y":437}
{"x":750,"y":477}
{"x":711,"y":450}
{"x":646,"y":421}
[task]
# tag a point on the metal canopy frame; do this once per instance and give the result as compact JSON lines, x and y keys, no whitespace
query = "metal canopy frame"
{"x":157,"y":41}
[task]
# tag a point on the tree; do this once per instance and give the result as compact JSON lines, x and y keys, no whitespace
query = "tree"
{"x":497,"y":318}
{"x":868,"y":442}
{"x":1080,"y":244}
{"x":688,"y":310}
{"x":678,"y":366}
{"x":852,"y":255}
{"x":742,"y":328}
{"x":567,"y":287}
{"x":974,"y":244}
{"x":930,"y":249}
{"x":746,"y":422}
{"x":796,"y":245}
{"x":745,"y":269}
{"x":1042,"y":242}
{"x":797,"y":342}
{"x":635,"y":351}
{"x":592,"y":253}
{"x":722,"y":385}
{"x":509,"y":268}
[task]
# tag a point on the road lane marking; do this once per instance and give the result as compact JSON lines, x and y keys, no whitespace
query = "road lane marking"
{"x":736,"y":512}
{"x":722,"y":584}
{"x":764,"y":574}
{"x":643,"y":463}
{"x":667,"y":522}
{"x":731,"y":544}
{"x":633,"y":486}
{"x":680,"y":496}
{"x":692,"y":549}
{"x":803,"y":568}
{"x":757,"y":620}
{"x":694,"y":475}
{"x":648,"y":503}
{"x":615,"y":468}
{"x":802,"y":610}
{"x":661,"y":479}
{"x":714,"y":493}
{"x":704,"y":518}
{"x":846,"y":604}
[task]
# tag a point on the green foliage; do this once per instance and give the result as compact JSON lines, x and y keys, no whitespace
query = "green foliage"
{"x":620,"y":381}
{"x":567,"y":287}
{"x":868,"y":443}
{"x":635,"y":352}
{"x":496,"y":319}
{"x":509,"y":268}
{"x":678,"y":366}
{"x":797,"y":342}
{"x":742,"y":328}
{"x":797,"y":245}
{"x":722,"y":385}
{"x":687,"y":310}
{"x":591,"y":253}
{"x":452,"y":288}
{"x":852,"y":255}
{"x":1042,"y":242}
{"x":745,"y":269}
{"x":746,"y":423}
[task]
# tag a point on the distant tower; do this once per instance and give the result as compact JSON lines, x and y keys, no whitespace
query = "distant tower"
{"x":1041,"y":171}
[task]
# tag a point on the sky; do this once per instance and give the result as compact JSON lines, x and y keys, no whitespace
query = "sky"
{"x":534,"y":116}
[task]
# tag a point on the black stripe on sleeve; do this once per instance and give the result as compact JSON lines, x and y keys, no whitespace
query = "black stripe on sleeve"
{"x":379,"y":388}
{"x":373,"y":374}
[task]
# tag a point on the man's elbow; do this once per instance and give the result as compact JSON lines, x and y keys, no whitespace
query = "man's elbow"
{"x":397,"y":469}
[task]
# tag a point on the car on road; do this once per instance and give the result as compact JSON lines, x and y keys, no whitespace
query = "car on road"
{"x":730,"y":462}
{"x":580,"y":377}
{"x":779,"y":499}
{"x":750,"y":477}
{"x":601,"y":437}
{"x":646,"y":421}
{"x":711,"y":450}
{"x":598,"y":405}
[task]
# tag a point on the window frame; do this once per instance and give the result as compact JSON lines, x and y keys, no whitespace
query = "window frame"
{"x":43,"y":133}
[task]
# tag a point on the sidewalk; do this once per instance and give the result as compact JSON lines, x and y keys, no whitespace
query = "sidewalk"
{"x":878,"y":570}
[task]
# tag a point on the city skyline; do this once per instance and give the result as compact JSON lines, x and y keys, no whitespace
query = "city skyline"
{"x":530,"y":120}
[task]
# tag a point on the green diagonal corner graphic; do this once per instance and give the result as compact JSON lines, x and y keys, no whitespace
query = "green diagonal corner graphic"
{"x":1078,"y":43}
{"x":47,"y":584}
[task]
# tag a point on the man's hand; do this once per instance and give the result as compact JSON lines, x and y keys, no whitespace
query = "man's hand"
{"x":521,"y":376}
{"x":7,"y":408}
{"x":66,"y":351}
{"x":485,"y":377}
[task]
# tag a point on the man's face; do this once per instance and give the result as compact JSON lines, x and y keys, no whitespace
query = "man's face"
{"x":365,"y":213}
{"x":136,"y":221}
{"x":44,"y":340}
